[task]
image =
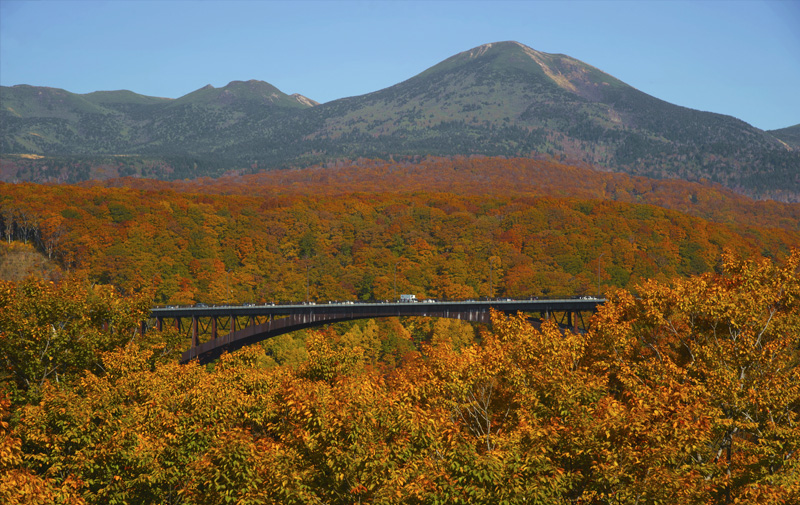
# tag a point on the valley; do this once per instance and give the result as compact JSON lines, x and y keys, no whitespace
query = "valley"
{"x":511,"y":278}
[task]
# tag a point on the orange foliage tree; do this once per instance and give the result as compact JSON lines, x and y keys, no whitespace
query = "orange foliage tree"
{"x":56,"y":331}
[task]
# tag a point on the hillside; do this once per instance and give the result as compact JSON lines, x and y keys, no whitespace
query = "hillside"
{"x":490,"y":176}
{"x":340,"y":231}
{"x":497,"y":99}
{"x":790,"y":135}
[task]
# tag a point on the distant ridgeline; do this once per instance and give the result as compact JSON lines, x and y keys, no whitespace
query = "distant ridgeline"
{"x":501,"y":99}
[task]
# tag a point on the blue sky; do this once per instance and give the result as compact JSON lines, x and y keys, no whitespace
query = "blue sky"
{"x":740,"y":58}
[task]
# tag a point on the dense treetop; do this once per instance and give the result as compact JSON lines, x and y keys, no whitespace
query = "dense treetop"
{"x":687,"y":393}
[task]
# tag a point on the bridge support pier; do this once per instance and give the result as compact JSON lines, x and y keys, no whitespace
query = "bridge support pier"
{"x":195,"y":333}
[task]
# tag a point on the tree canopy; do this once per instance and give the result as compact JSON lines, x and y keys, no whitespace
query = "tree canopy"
{"x":688,"y":392}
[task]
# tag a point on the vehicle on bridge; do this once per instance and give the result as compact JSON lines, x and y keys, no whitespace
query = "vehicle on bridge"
{"x":408,"y":298}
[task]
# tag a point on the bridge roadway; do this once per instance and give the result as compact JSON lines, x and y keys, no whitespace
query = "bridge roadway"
{"x":248,"y":324}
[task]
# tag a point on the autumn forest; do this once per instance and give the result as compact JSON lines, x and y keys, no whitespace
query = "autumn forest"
{"x":684,"y":389}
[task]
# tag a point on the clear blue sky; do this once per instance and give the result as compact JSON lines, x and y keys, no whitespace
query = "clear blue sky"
{"x":740,"y":58}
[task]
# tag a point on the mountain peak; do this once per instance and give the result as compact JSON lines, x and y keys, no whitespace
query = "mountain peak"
{"x":252,"y":84}
{"x":498,"y":47}
{"x":506,"y":45}
{"x":567,"y":73}
{"x":252,"y":93}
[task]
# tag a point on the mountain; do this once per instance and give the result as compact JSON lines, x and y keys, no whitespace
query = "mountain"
{"x":245,"y":96}
{"x":49,"y":121}
{"x":508,"y":99}
{"x":497,"y":99}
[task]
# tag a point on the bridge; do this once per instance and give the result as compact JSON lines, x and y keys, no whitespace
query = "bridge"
{"x":218,"y":329}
